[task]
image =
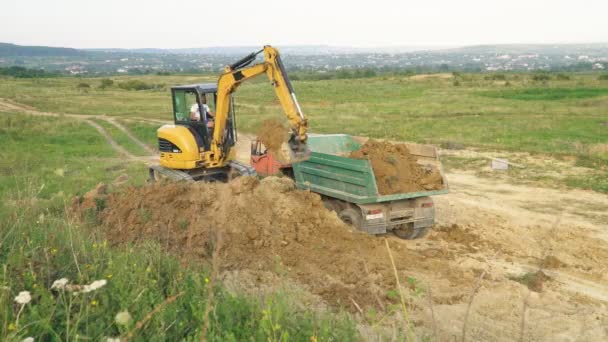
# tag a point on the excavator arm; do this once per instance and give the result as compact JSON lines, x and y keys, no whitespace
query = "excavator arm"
{"x":240,"y":71}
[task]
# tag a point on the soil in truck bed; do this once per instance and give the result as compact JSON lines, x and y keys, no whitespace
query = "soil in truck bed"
{"x":396,"y":169}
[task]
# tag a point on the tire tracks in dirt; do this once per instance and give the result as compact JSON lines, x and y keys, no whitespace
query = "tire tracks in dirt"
{"x":151,"y":158}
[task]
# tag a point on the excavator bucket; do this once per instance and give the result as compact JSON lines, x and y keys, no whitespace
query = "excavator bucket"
{"x":298,"y":151}
{"x":291,"y":152}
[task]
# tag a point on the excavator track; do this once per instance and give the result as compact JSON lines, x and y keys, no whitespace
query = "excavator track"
{"x":242,"y":169}
{"x":158,"y":172}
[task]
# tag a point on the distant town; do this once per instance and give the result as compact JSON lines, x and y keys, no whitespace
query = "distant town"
{"x":316,"y":59}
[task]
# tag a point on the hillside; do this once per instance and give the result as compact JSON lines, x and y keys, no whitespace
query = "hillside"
{"x":10,"y":50}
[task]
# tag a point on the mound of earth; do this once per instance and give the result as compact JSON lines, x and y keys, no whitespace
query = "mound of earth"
{"x":396,"y":170}
{"x":264,"y":226}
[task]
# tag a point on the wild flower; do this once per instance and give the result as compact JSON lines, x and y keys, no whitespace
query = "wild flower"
{"x":123,"y":318}
{"x":59,"y":284}
{"x":28,"y":339}
{"x":112,"y":339}
{"x":97,"y":284}
{"x":23,"y":298}
{"x":63,"y":285}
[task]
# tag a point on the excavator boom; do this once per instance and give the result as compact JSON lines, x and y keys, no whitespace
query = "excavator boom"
{"x":240,"y":71}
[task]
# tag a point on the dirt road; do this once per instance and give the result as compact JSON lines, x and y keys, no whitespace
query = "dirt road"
{"x":505,"y":262}
{"x":11,"y":106}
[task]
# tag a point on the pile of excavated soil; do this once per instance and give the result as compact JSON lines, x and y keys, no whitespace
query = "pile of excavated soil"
{"x":274,"y":135}
{"x":396,"y":170}
{"x":267,"y":226}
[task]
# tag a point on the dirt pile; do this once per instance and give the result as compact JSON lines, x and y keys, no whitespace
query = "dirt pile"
{"x":274,"y":135}
{"x":397,"y":170}
{"x":267,"y":226}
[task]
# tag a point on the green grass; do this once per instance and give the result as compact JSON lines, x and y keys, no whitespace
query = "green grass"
{"x":536,"y":94}
{"x":56,"y":157}
{"x":596,"y":182}
{"x":121,"y":138}
{"x":144,"y":131}
{"x":563,"y":118}
{"x":39,"y":244}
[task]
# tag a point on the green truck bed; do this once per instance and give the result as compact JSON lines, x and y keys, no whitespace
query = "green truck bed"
{"x":329,"y":172}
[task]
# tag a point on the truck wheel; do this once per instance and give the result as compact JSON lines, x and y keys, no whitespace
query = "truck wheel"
{"x":352,"y":217}
{"x":406,"y":231}
{"x":333,"y":205}
{"x":422,"y":232}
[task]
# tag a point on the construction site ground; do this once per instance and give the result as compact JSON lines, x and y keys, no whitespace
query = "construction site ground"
{"x":504,"y":262}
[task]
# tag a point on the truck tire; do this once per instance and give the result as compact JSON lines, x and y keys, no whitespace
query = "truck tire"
{"x":333,"y":205}
{"x":422,"y":232}
{"x":352,"y":217}
{"x":406,"y":231}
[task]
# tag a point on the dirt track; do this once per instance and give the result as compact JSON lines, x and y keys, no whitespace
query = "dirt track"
{"x":489,"y":233}
{"x":7,"y":105}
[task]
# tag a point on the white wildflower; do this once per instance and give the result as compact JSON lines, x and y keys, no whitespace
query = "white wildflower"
{"x":23,"y":298}
{"x":59,"y":284}
{"x":28,"y":339}
{"x":112,"y":339}
{"x":97,"y":284}
{"x":123,"y":318}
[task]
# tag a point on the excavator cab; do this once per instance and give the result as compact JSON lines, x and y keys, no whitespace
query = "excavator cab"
{"x":183,"y":144}
{"x":194,"y":107}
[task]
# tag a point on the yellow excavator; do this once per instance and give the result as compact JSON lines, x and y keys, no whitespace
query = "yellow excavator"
{"x":199,"y":145}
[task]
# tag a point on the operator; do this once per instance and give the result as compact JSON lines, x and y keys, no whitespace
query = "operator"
{"x":195,"y":115}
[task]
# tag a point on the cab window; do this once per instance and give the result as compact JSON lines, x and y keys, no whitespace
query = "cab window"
{"x":182,"y":103}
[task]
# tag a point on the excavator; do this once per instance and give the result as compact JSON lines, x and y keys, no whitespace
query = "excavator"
{"x":199,"y":145}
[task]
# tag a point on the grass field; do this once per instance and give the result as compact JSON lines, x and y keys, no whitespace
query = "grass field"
{"x":556,"y":116}
{"x":562,"y":116}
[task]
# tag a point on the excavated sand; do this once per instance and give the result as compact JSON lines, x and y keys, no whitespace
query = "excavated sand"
{"x":273,"y":134}
{"x":396,"y":170}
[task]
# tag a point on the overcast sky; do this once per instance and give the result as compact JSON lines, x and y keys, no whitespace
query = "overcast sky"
{"x":201,"y":23}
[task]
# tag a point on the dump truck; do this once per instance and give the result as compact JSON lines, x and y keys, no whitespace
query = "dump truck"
{"x":348,"y":186}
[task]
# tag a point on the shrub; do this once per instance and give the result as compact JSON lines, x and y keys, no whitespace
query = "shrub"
{"x":83,"y":85}
{"x":541,"y":77}
{"x":495,"y":77}
{"x":603,"y":77}
{"x":105,"y":83}
{"x":137,"y":85}
{"x":562,"y":77}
